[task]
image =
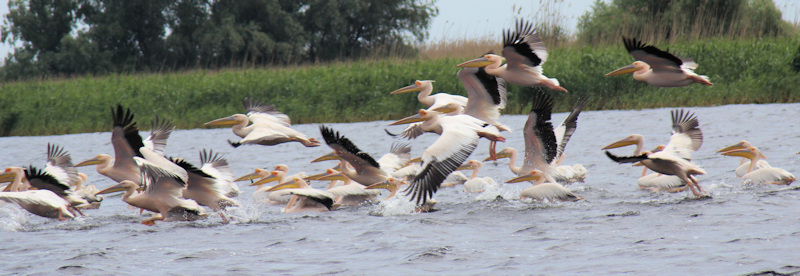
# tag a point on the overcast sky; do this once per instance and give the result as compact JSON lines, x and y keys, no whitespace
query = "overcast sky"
{"x":477,"y":18}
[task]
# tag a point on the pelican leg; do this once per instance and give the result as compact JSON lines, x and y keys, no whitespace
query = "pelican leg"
{"x":61,"y":214}
{"x":691,"y":185}
{"x":493,"y":150}
{"x":152,"y":220}
{"x":224,"y":219}
{"x":552,"y":86}
{"x":696,"y":184}
{"x":79,"y":211}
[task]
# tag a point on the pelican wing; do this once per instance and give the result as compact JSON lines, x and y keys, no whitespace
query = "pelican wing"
{"x":199,"y":180}
{"x":162,"y":164}
{"x":44,"y":181}
{"x":540,"y":140}
{"x":264,"y":113}
{"x":323,"y":197}
{"x":215,"y":165}
{"x":486,"y":93}
{"x":160,"y":181}
{"x":659,"y":60}
{"x":59,"y":165}
{"x":125,"y":138}
{"x":626,"y":159}
{"x":443,"y":157}
{"x":411,"y":132}
{"x":686,"y":135}
{"x":567,"y":127}
{"x":397,"y":158}
{"x":523,"y":48}
{"x":159,"y":133}
{"x":345,"y":149}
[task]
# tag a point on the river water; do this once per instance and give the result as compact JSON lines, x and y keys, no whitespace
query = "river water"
{"x":615,"y":229}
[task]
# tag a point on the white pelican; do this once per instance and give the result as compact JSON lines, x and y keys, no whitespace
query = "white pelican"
{"x":127,"y":144}
{"x":425,"y":87}
{"x":473,"y":183}
{"x":162,"y":195}
{"x":304,"y":198}
{"x":43,"y":203}
{"x":769,"y":175}
{"x":542,"y":190}
{"x":207,"y":186}
{"x":365,"y":170}
{"x":460,"y":135}
{"x":659,"y":68}
{"x":674,"y":159}
{"x":269,"y":126}
{"x":265,"y":194}
{"x":742,"y":169}
{"x":541,"y":145}
{"x":525,"y":53}
{"x":351,"y":193}
{"x":654,"y":182}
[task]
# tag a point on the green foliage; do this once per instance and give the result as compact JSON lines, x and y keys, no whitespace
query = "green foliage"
{"x":156,"y":35}
{"x":680,"y":20}
{"x":744,"y":71}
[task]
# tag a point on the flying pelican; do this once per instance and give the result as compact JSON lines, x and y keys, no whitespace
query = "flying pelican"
{"x":304,"y":198}
{"x":542,"y":149}
{"x":425,"y":87}
{"x":542,"y":190}
{"x":742,"y":169}
{"x":127,"y":144}
{"x":206,"y":185}
{"x":659,"y":68}
{"x":269,"y":126}
{"x":769,"y":175}
{"x":162,"y":195}
{"x":460,"y":135}
{"x":525,"y":53}
{"x":674,"y":159}
{"x":654,"y":182}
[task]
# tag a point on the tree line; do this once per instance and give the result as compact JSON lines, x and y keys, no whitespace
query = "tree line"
{"x":76,"y":37}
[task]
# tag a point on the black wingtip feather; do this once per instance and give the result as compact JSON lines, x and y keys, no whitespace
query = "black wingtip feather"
{"x":333,"y":137}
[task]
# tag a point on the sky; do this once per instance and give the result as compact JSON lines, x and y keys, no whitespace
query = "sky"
{"x":464,"y":19}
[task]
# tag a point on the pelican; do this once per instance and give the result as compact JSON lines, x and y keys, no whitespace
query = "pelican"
{"x":206,"y":185}
{"x":460,"y":135}
{"x":425,"y":87}
{"x":742,"y":169}
{"x":542,"y":149}
{"x":43,"y":203}
{"x":262,"y":192}
{"x":654,"y":182}
{"x":127,"y":144}
{"x":87,"y":192}
{"x":769,"y":175}
{"x":542,"y":190}
{"x":358,"y":165}
{"x":393,"y":184}
{"x":269,"y":126}
{"x":162,"y":195}
{"x":43,"y":180}
{"x":351,"y":193}
{"x":473,"y":183}
{"x":674,"y":159}
{"x":304,"y":198}
{"x":659,"y":68}
{"x":525,"y":53}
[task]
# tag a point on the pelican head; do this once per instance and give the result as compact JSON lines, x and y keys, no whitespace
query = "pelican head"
{"x":749,"y":153}
{"x":329,"y":156}
{"x":416,"y":87}
{"x":632,"y":139}
{"x":282,"y":167}
{"x":124,"y":185}
{"x":635,"y":66}
{"x":99,"y":159}
{"x":470,"y":165}
{"x":741,"y":145}
{"x":259,"y":173}
{"x":274,"y":176}
{"x":504,"y":153}
{"x":534,"y":175}
{"x":421,"y":116}
{"x":296,"y":183}
{"x":486,"y":60}
{"x":234,"y":119}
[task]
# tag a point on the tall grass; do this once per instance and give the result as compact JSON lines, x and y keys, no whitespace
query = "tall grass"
{"x":744,"y":71}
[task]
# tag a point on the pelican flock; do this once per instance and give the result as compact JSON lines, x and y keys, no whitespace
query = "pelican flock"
{"x":173,"y":189}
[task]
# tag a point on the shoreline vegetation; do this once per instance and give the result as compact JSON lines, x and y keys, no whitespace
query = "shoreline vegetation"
{"x":744,"y":71}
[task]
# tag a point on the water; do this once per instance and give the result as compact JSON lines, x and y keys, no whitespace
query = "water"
{"x":616,"y":229}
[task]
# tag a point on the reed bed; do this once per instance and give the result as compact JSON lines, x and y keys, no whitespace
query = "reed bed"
{"x":743,"y":70}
